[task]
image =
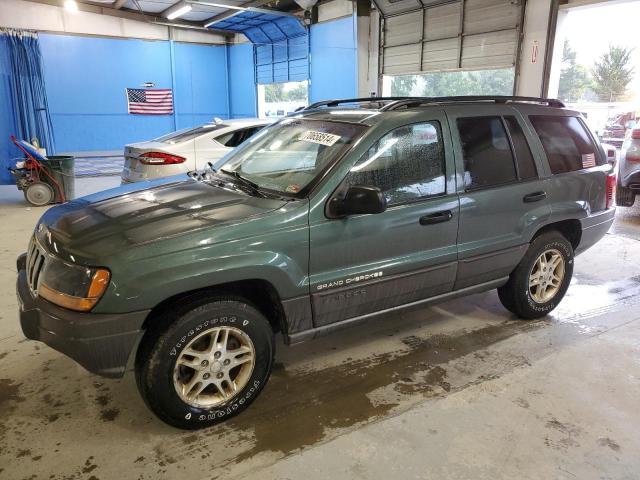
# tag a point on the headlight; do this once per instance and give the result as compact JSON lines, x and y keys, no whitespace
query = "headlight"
{"x":72,"y":286}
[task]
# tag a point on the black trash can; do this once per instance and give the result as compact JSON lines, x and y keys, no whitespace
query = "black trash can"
{"x":61,"y":168}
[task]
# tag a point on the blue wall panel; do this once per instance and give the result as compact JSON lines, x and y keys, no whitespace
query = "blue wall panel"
{"x":200,"y":90}
{"x":242,"y":87}
{"x":334,"y":61}
{"x":86,"y":80}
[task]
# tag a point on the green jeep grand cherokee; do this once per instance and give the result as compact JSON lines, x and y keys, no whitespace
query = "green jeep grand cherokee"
{"x":337,"y":213}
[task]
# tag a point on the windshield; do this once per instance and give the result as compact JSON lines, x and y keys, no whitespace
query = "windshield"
{"x":288,"y":156}
{"x":189,"y":133}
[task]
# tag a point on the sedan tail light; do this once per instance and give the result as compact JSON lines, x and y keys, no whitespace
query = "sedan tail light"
{"x":635,"y":134}
{"x":160,"y":158}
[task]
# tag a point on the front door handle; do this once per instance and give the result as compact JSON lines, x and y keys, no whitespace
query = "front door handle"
{"x":534,"y":197}
{"x":437,"y":217}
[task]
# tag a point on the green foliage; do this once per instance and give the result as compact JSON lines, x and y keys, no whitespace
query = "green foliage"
{"x":297,"y":93}
{"x":612,"y":73}
{"x":574,"y":79}
{"x":402,"y":86}
{"x":440,"y":84}
{"x":275,"y":92}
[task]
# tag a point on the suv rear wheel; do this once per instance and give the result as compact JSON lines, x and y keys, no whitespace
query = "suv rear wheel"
{"x":541,"y":278}
{"x":208,"y":363}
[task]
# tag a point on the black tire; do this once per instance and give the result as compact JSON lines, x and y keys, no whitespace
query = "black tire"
{"x":164,"y":343}
{"x":516,"y":296}
{"x":625,"y":197}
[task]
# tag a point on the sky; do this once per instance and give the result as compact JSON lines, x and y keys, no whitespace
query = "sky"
{"x":591,"y":30}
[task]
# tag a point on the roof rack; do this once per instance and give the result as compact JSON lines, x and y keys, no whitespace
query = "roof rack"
{"x":337,"y":102}
{"x":411,"y":102}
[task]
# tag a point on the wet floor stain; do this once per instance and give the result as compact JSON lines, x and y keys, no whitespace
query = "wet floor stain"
{"x":563,"y":435}
{"x":109,"y":414}
{"x":9,"y":393}
{"x":607,"y":442}
{"x":297,"y":410}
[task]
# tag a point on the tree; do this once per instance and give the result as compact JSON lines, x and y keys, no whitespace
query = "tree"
{"x":299,"y":92}
{"x":574,"y":78}
{"x":480,"y":82}
{"x":273,"y":92}
{"x":612,"y":74}
{"x":403,"y":86}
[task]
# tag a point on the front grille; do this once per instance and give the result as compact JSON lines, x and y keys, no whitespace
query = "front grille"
{"x":35,"y":264}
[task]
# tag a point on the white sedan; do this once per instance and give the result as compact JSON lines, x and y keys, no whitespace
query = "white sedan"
{"x":186,"y":150}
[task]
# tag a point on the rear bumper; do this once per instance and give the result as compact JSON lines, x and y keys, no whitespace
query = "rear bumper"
{"x":101,"y":343}
{"x":594,"y":227}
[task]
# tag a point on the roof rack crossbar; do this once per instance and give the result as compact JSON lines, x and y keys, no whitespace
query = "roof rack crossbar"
{"x":419,"y":101}
{"x":336,"y":102}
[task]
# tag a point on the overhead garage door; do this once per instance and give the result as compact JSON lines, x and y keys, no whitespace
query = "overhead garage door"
{"x":458,"y":35}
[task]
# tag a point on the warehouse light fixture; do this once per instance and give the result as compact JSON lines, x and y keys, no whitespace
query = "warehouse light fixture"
{"x":71,"y":5}
{"x":178,"y":10}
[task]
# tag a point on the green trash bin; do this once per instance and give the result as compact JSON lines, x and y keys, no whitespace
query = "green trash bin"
{"x":61,"y":168}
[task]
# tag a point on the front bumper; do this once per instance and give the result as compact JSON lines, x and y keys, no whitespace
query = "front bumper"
{"x":101,"y":343}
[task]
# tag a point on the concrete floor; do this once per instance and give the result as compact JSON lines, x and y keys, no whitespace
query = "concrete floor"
{"x":460,"y":390}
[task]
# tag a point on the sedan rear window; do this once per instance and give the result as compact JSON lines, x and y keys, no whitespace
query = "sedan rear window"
{"x":190,"y":133}
{"x":566,"y":142}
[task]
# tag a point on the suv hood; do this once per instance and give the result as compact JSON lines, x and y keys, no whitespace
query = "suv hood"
{"x":105,"y":223}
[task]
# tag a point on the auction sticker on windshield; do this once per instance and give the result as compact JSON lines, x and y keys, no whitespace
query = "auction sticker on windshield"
{"x":322,"y":138}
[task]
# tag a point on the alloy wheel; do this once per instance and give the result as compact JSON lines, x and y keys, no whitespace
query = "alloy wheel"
{"x":546,"y":276}
{"x":214,"y":367}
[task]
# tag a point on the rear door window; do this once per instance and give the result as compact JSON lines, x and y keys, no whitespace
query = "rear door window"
{"x":190,"y":133}
{"x":488,"y":159}
{"x":235,"y":138}
{"x":566,"y":142}
{"x":524,"y":158}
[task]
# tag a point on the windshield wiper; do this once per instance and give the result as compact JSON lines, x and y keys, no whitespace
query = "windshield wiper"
{"x":243,"y":181}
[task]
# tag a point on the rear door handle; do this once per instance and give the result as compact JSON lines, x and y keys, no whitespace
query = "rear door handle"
{"x":534,"y":197}
{"x":437,"y":217}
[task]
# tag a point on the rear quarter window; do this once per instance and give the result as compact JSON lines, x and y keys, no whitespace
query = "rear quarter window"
{"x":566,"y":142}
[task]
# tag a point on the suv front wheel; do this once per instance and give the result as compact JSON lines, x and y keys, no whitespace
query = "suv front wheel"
{"x":205,"y":361}
{"x":541,"y":278}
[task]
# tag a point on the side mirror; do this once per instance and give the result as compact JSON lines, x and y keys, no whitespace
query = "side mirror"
{"x":358,"y":200}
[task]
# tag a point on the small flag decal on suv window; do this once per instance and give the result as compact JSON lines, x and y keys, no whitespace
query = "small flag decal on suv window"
{"x":588,"y":160}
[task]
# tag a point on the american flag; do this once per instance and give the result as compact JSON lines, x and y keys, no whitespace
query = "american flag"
{"x":157,"y":101}
{"x":588,"y":160}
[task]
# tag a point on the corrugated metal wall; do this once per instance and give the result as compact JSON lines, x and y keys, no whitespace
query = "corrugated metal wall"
{"x":457,"y":35}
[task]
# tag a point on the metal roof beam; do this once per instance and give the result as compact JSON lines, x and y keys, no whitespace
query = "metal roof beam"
{"x":234,"y":10}
{"x":132,"y":15}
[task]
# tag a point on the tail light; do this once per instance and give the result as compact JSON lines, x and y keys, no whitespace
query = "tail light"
{"x":611,"y":190}
{"x":635,"y":134}
{"x":160,"y":158}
